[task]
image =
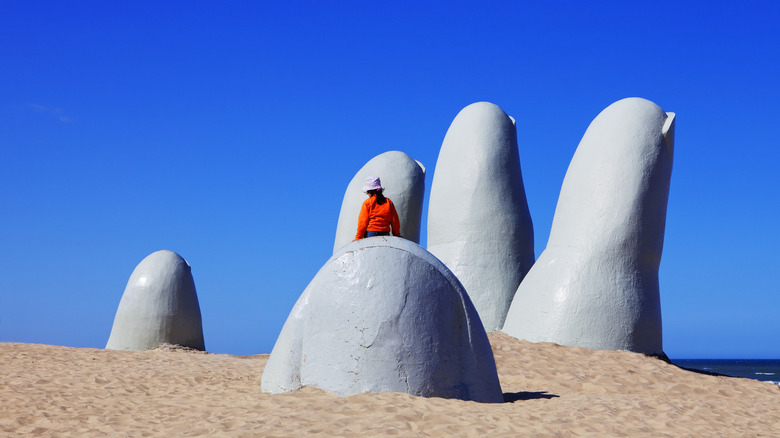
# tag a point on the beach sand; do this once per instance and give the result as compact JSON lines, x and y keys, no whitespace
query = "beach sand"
{"x":551,"y":390}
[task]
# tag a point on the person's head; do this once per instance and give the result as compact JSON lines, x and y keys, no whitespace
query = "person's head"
{"x":373,"y":184}
{"x":373,"y":187}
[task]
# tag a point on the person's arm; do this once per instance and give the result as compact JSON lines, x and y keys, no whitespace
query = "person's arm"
{"x":362,"y":222}
{"x":395,"y":223}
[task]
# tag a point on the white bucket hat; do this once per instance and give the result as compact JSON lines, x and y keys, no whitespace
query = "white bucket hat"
{"x":373,"y":183}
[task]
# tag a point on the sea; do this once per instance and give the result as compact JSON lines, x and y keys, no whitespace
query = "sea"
{"x":765,"y":370}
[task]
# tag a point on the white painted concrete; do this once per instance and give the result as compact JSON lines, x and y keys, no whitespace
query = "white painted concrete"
{"x":384,"y":315}
{"x":404,"y":181}
{"x":596,"y":283}
{"x":159,"y":306}
{"x":478,"y":219}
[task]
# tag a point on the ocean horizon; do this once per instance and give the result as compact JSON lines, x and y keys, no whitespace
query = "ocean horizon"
{"x":765,"y":370}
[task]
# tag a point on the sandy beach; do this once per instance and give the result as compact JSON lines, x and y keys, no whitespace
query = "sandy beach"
{"x":550,"y":390}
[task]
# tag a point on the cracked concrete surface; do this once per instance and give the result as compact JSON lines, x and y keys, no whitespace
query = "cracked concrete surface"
{"x":413,"y":330}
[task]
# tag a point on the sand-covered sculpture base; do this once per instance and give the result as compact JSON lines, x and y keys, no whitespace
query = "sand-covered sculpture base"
{"x":553,"y":391}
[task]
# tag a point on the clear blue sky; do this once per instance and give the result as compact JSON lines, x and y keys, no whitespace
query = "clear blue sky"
{"x":229,"y":132}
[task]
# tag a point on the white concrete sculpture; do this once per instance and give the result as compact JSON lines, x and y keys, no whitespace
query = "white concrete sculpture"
{"x":596,"y":283}
{"x":478,"y":219}
{"x":404,"y":182}
{"x":384,"y":315}
{"x":159,"y":306}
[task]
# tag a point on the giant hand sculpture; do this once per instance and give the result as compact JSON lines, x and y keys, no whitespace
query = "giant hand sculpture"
{"x":596,"y":283}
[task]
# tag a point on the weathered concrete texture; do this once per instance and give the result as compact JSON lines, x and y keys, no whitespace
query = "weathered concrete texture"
{"x":596,"y":283}
{"x":384,"y":315}
{"x":404,"y":181}
{"x":478,"y":219}
{"x":159,"y":306}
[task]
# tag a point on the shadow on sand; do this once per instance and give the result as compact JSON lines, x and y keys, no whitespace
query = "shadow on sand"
{"x":511,"y":397}
{"x":705,"y":372}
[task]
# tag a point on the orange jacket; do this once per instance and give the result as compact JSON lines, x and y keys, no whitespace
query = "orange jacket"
{"x":375,"y":217}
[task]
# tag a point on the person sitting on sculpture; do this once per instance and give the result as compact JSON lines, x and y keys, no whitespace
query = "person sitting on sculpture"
{"x":377,"y":215}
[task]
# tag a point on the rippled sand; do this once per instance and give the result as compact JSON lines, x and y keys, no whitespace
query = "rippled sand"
{"x":550,"y":390}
